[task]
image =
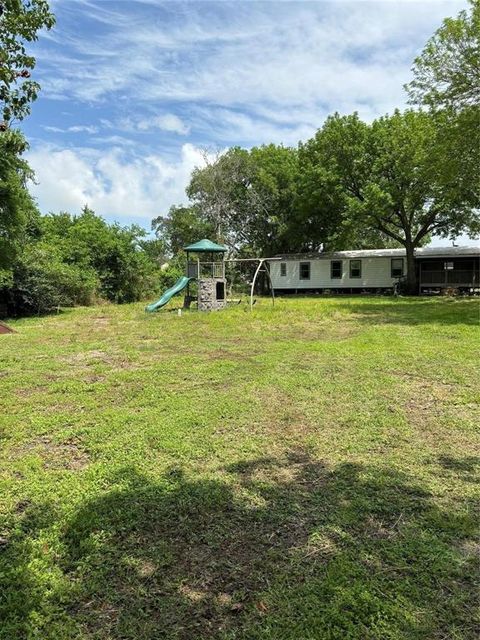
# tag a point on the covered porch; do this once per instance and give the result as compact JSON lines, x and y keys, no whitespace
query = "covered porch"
{"x":443,"y":273}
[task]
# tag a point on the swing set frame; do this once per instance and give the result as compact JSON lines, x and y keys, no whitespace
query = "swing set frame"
{"x":262,"y":267}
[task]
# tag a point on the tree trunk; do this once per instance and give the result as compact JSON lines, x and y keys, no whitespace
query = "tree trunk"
{"x":411,"y":281}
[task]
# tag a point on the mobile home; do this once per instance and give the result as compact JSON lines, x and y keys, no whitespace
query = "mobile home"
{"x":376,"y":270}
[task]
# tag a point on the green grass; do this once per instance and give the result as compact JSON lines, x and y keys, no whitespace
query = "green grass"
{"x":303,"y":472}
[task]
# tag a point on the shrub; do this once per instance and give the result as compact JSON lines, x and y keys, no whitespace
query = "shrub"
{"x":43,"y":282}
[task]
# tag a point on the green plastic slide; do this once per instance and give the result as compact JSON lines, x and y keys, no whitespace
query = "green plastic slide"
{"x":180,"y":285}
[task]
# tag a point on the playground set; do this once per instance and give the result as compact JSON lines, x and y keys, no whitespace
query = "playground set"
{"x":206,"y":265}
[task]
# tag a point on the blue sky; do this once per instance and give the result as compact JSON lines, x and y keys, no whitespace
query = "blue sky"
{"x":135,"y":92}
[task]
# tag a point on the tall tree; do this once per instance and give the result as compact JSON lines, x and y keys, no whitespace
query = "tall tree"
{"x":388,"y":177}
{"x":182,"y":226}
{"x":17,"y":208}
{"x":248,"y":197}
{"x":446,"y":80}
{"x":447,"y":72}
{"x":20,"y":22}
{"x":320,"y":220}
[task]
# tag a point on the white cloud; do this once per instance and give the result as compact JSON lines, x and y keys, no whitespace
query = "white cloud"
{"x":83,"y":129}
{"x":224,"y":125}
{"x":114,"y":185}
{"x":74,"y":129}
{"x":167,"y":122}
{"x":281,"y":53}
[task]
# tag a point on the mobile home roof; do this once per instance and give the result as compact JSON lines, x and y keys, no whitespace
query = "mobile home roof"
{"x":424,"y":252}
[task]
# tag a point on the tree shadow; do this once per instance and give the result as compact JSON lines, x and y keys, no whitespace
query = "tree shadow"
{"x":413,"y":311}
{"x":466,"y":467}
{"x":273,"y":548}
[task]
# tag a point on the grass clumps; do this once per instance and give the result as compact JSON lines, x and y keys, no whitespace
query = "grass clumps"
{"x":307,"y":471}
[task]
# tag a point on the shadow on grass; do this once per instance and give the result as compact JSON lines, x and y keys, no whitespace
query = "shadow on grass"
{"x":275,"y":548}
{"x":415,"y":311}
{"x":466,"y":467}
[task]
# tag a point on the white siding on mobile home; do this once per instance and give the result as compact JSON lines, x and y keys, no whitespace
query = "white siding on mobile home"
{"x":380,"y":268}
{"x":375,"y":272}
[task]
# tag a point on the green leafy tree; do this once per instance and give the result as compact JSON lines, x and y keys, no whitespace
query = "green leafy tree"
{"x":20,"y":22}
{"x":247,"y":197}
{"x":155,"y":249}
{"x":126,"y":272}
{"x":388,"y":178}
{"x":447,"y":72}
{"x":43,"y":281}
{"x":321,"y":222}
{"x":182,"y":226}
{"x":447,"y":81}
{"x":17,"y":209}
{"x":218,"y":191}
{"x":272,"y":198}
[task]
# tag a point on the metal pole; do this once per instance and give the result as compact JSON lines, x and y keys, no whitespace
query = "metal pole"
{"x":271,"y":283}
{"x":253,"y":283}
{"x":188,"y":283}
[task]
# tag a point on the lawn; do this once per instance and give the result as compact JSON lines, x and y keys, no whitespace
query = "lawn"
{"x":297,"y":473}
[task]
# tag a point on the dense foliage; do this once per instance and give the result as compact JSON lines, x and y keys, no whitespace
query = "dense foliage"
{"x":76,"y":259}
{"x":248,"y":197}
{"x":182,"y":226}
{"x":20,"y":22}
{"x":447,"y":72}
{"x":16,"y":205}
{"x":387,"y":177}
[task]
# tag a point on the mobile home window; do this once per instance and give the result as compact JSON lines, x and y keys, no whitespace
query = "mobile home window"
{"x":304,"y":271}
{"x":355,"y":268}
{"x":397,"y":267}
{"x":335,"y":269}
{"x":283,"y":268}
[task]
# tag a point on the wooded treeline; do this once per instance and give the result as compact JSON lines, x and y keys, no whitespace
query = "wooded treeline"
{"x":395,"y":181}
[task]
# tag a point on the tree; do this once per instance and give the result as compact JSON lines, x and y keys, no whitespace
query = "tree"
{"x":272,"y":199}
{"x":247,"y":197}
{"x":447,"y":72}
{"x":20,"y":22}
{"x":125,"y":271}
{"x":43,"y":281}
{"x":17,"y":209}
{"x":218,"y":192}
{"x":388,"y":177}
{"x":339,"y":148}
{"x":447,"y":81}
{"x":182,"y":226}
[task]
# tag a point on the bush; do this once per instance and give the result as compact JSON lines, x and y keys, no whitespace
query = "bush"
{"x":126,"y":271}
{"x":70,"y":260}
{"x":41,"y":282}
